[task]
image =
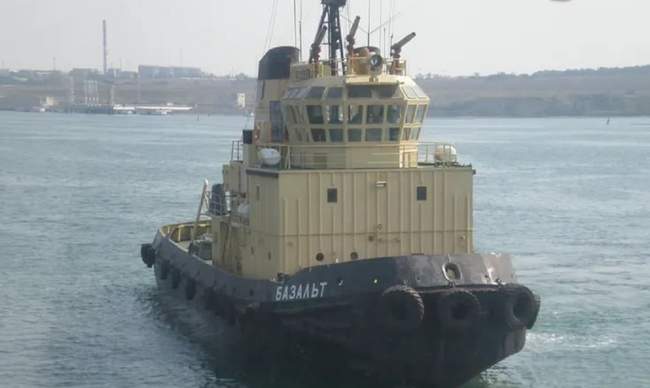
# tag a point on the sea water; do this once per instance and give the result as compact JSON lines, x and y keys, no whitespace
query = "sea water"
{"x":569,"y":198}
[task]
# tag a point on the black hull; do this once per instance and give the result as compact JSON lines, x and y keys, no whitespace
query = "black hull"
{"x":399,"y":318}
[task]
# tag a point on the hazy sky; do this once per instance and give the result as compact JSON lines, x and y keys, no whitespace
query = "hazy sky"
{"x":454,"y":36}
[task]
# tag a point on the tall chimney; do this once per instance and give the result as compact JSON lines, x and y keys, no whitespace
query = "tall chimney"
{"x":105,"y":47}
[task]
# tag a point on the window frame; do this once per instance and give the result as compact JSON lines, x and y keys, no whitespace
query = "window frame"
{"x":358,"y":131}
{"x":317,"y":139}
{"x":310,"y":117}
{"x":374,"y":131}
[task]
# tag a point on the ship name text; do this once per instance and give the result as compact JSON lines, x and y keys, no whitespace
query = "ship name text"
{"x":300,"y":292}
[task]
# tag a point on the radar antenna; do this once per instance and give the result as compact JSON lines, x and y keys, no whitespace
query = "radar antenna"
{"x":330,"y":23}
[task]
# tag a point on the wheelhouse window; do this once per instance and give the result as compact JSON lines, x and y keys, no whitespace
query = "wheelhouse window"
{"x":406,"y":134}
{"x":410,"y":93}
{"x":335,"y":114}
{"x":316,"y":92}
{"x":334,"y":93}
{"x":355,"y":114}
{"x":393,"y":134}
{"x":290,"y":93}
{"x":388,"y":91}
{"x":318,"y":135}
{"x":419,"y":92}
{"x":336,"y":135}
{"x":375,"y":114}
{"x":373,"y":134}
{"x":410,"y":114}
{"x":419,"y":116}
{"x":394,"y":114}
{"x":355,"y":135}
{"x":315,"y":114}
{"x":359,"y":91}
{"x":415,"y":134}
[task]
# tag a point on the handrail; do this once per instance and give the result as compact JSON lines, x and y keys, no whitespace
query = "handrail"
{"x":203,"y":204}
{"x":437,"y":152}
{"x":334,"y":157}
{"x":355,"y":66}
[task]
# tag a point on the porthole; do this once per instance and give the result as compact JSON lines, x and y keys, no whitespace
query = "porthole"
{"x":354,"y":256}
{"x":320,"y":257}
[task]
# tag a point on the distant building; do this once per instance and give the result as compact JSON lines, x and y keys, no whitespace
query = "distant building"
{"x":84,"y":73}
{"x":162,"y":72}
{"x":119,"y":74}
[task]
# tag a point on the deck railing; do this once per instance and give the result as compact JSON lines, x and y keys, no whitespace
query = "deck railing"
{"x":437,"y":153}
{"x":335,"y":157}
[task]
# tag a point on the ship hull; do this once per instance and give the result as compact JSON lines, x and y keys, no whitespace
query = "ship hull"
{"x":399,"y":318}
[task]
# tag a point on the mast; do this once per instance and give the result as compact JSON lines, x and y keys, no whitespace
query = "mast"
{"x":330,"y":23}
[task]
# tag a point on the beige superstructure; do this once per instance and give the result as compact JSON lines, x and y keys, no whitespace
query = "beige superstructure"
{"x":334,"y":171}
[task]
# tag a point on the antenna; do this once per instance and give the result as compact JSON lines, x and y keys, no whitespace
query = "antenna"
{"x":105,"y":41}
{"x":300,"y":30}
{"x":295,"y":25}
{"x":369,"y":25}
{"x":381,"y":20}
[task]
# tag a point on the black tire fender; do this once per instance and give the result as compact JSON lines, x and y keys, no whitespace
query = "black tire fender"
{"x":520,"y":307}
{"x":458,"y":310}
{"x":148,"y":254}
{"x":400,"y":308}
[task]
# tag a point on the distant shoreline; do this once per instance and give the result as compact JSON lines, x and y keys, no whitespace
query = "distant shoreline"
{"x":616,"y":92}
{"x":604,"y":118}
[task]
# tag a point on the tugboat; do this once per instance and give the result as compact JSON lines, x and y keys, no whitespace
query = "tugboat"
{"x":336,"y":225}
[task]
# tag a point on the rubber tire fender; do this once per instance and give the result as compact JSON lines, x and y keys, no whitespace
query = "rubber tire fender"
{"x":449,"y":315}
{"x":400,"y":309}
{"x":520,"y":308}
{"x":148,"y":254}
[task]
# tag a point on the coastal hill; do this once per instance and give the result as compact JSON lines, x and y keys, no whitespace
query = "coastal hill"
{"x":601,"y":92}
